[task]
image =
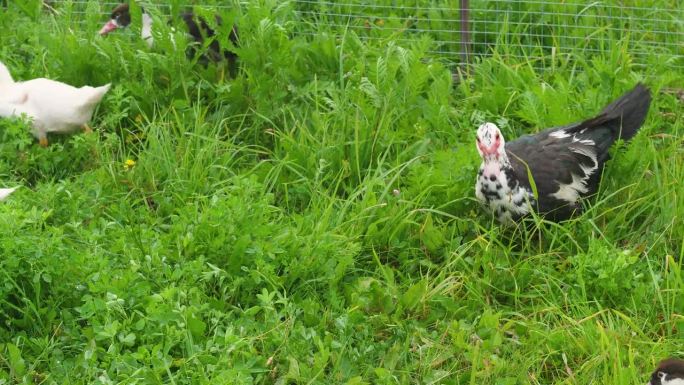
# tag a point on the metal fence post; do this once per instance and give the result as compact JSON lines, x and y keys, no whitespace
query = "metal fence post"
{"x":465,"y":32}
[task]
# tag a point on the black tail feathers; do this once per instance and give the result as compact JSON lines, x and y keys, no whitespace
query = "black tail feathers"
{"x":626,"y":114}
{"x":622,"y":118}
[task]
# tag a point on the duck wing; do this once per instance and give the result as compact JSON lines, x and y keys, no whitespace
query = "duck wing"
{"x":566,"y":162}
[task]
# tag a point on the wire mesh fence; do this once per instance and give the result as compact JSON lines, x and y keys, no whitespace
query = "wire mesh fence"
{"x":463,"y":30}
{"x":523,"y":29}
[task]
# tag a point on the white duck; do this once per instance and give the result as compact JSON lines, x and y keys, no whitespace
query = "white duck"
{"x":51,"y":105}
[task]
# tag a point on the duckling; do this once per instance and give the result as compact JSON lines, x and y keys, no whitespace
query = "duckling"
{"x":52,"y":106}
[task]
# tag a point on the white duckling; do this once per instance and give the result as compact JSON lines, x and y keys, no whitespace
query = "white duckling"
{"x":51,"y":105}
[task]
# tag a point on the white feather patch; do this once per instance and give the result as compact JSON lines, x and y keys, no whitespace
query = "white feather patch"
{"x":146,"y":32}
{"x":560,"y":134}
{"x":5,"y":192}
{"x":571,"y":192}
{"x":588,"y":170}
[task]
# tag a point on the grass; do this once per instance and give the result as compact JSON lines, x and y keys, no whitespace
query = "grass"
{"x":312,"y":221}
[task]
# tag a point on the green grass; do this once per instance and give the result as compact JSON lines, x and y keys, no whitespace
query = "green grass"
{"x":313,"y":221}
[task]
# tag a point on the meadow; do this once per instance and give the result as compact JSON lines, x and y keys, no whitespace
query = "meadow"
{"x":312,"y":220}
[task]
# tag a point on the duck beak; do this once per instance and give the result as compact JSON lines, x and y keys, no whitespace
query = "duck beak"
{"x":108,"y":27}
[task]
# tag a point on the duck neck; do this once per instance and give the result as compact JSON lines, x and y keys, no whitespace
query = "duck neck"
{"x":500,"y":159}
{"x":146,"y":32}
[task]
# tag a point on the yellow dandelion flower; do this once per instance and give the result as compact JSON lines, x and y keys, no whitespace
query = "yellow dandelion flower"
{"x":128,"y":164}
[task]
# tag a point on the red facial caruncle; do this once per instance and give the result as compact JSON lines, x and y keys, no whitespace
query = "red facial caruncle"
{"x":490,"y":142}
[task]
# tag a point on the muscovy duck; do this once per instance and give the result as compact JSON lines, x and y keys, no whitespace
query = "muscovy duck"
{"x":198,"y":29}
{"x":565,"y":163}
{"x":668,"y":372}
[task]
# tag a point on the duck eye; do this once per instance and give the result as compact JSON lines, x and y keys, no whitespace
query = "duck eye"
{"x":662,"y":375}
{"x":497,"y":136}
